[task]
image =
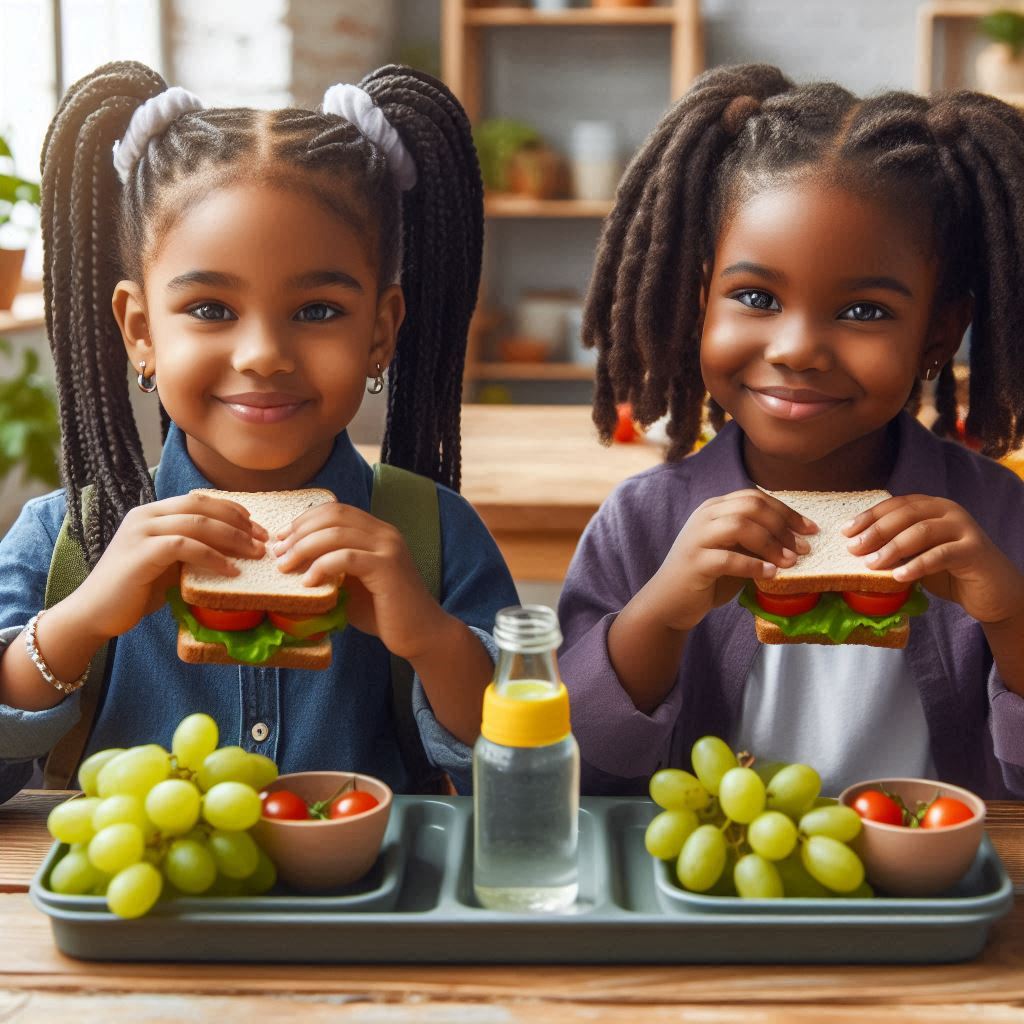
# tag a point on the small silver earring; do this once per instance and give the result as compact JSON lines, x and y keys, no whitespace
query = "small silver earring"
{"x":378,"y":383}
{"x":147,"y":385}
{"x":933,"y":371}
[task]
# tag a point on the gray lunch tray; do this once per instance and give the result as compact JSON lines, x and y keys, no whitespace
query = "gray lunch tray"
{"x":417,"y":906}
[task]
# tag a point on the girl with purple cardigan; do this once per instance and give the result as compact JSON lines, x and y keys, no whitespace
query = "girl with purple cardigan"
{"x":804,"y":259}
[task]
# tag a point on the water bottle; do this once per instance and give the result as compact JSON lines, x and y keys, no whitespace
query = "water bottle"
{"x":526,"y":773}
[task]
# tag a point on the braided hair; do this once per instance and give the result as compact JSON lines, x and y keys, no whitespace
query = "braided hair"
{"x":957,"y":160}
{"x":431,"y":237}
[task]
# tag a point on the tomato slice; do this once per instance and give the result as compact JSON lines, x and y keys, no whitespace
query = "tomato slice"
{"x":232,"y":622}
{"x":786,"y":604}
{"x":298,"y":628}
{"x":875,"y":604}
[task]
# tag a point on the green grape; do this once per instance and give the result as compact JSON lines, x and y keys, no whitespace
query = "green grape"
{"x":189,"y":866}
{"x":73,"y":875}
{"x":263,"y":878}
{"x":711,"y":758}
{"x":116,"y":847}
{"x":772,"y":835}
{"x":838,"y":822}
{"x":135,"y":771}
{"x":235,"y":853}
{"x":134,"y":890}
{"x":71,"y":821}
{"x":667,"y":832}
{"x":862,"y":892}
{"x":796,"y":882}
{"x":674,"y":789}
{"x":262,"y":771}
{"x":232,"y":806}
{"x":702,"y":859}
{"x":90,"y":768}
{"x":225,"y":886}
{"x":120,"y":808}
{"x":756,"y":878}
{"x":793,"y":789}
{"x":725,"y":886}
{"x":832,"y":863}
{"x":825,"y":801}
{"x":229,"y":764}
{"x":196,"y":737}
{"x":173,"y":806}
{"x":767,"y":769}
{"x":741,"y":795}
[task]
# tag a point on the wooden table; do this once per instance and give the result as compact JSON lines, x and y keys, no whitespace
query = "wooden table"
{"x":536,"y":474}
{"x":38,"y":983}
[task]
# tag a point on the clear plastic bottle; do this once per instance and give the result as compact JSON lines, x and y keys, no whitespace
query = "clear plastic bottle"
{"x":526,"y":773}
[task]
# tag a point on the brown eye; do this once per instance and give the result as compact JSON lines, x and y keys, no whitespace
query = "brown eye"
{"x":211,"y":311}
{"x":755,"y":299}
{"x":864,"y":312}
{"x":317,"y":312}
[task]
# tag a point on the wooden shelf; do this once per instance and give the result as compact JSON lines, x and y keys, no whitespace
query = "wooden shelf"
{"x":533,"y":371}
{"x":493,"y":17}
{"x":523,"y":206}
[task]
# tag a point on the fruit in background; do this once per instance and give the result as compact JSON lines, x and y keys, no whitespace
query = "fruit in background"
{"x":150,"y":815}
{"x":877,"y":806}
{"x":626,"y":430}
{"x":945,"y":811}
{"x":283,"y":805}
{"x":348,"y":804}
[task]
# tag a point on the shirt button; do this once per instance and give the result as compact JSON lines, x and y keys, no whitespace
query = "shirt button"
{"x":260,"y":732}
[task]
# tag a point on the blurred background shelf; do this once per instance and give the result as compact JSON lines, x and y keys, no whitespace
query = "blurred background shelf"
{"x":526,"y":207}
{"x":492,"y":17}
{"x":533,"y":371}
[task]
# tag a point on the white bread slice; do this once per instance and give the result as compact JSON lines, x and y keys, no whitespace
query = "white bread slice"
{"x":311,"y":656}
{"x":829,"y":565}
{"x":769,"y":633}
{"x":261,"y":586}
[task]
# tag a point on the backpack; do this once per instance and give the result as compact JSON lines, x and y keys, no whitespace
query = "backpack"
{"x":405,"y":500}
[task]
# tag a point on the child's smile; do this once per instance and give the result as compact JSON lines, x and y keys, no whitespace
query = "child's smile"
{"x":817,"y":324}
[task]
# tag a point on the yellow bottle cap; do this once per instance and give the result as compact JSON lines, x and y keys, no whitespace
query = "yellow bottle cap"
{"x":526,"y":714}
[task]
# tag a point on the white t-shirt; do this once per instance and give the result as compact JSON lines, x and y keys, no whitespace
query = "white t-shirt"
{"x":852,"y":712}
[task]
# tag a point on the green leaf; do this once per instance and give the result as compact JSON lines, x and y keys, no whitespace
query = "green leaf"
{"x":1005,"y":27}
{"x":5,"y":150}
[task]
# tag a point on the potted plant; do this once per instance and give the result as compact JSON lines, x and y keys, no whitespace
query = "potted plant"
{"x":497,"y":140}
{"x":14,"y":191}
{"x":999,"y":67}
{"x":29,"y":426}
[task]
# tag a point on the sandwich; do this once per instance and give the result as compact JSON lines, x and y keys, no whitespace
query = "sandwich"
{"x":262,"y":616}
{"x":830,"y":595}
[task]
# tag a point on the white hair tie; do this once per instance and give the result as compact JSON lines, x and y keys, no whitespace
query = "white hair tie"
{"x":148,"y":123}
{"x":356,"y":105}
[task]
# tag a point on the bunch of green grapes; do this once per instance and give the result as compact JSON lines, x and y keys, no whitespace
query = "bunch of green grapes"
{"x":760,"y":831}
{"x":156,"y":822}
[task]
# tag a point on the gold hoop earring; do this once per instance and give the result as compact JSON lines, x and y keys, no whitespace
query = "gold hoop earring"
{"x":147,"y":385}
{"x":377,"y":386}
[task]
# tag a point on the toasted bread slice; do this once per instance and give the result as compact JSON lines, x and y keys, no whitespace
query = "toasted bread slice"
{"x":309,"y":656}
{"x":261,"y":586}
{"x":830,"y":565}
{"x":769,"y":633}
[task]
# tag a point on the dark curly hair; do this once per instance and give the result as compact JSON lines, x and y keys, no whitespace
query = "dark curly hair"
{"x":957,"y":160}
{"x":435,"y":231}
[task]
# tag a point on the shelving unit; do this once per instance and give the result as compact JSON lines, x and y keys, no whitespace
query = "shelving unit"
{"x":467,"y":28}
{"x":948,"y":39}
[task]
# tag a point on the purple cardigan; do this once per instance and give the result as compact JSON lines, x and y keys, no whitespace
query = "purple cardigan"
{"x":976,"y":724}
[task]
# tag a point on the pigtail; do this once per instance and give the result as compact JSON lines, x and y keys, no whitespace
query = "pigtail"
{"x":643,"y":309}
{"x":80,"y":198}
{"x":442,"y":251}
{"x":981,"y":149}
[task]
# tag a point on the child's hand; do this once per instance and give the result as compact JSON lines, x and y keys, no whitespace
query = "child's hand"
{"x":726,"y":541}
{"x":941,"y":545}
{"x":143,"y":560}
{"x":386,"y":596}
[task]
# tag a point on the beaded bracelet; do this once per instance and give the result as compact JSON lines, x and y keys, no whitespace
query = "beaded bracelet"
{"x":44,"y":669}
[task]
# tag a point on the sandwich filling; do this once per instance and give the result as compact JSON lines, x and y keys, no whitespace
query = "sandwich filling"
{"x":832,"y":614}
{"x":255,"y":637}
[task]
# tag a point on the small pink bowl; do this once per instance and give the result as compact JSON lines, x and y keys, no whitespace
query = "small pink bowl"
{"x":903,"y":861}
{"x":315,"y":855}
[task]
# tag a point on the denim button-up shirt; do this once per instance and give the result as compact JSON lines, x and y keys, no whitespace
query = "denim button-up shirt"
{"x":338,"y":718}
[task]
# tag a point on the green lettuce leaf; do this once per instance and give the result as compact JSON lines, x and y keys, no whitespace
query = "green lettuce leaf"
{"x":832,"y":616}
{"x":257,"y":645}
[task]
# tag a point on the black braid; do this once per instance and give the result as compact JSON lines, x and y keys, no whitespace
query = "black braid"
{"x":85,"y":208}
{"x":957,"y":161}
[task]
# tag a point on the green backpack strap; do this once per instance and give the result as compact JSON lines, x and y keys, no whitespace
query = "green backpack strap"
{"x":409,"y":503}
{"x":68,"y":570}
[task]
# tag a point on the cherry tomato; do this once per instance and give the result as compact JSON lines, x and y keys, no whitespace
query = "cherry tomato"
{"x":786,"y":604}
{"x":233,"y":622}
{"x":625,"y":429}
{"x":946,"y":811}
{"x":876,"y":806}
{"x":294,"y":627}
{"x":284,"y":805}
{"x":875,"y":604}
{"x":352,"y":803}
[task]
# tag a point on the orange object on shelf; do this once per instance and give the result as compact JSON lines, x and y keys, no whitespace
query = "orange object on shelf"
{"x":520,"y":349}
